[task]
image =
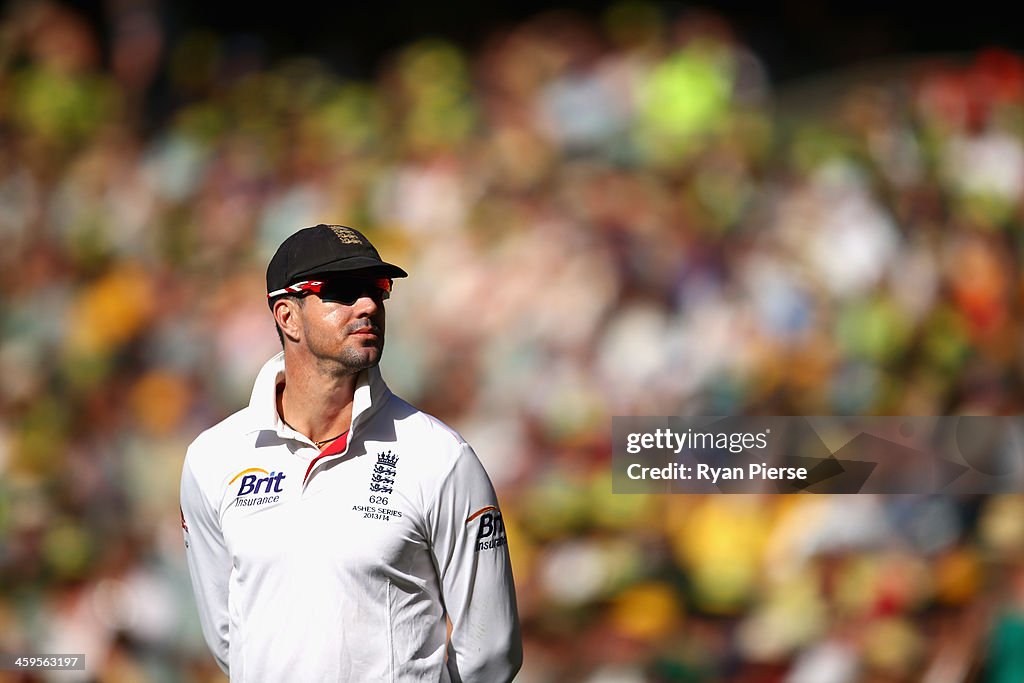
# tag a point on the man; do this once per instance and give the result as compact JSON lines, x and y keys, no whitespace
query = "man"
{"x":332,"y":529}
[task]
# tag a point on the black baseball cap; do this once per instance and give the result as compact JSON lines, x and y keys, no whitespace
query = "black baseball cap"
{"x":324,"y":249}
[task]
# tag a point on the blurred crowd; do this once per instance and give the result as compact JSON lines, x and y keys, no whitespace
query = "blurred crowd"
{"x":617,"y":214}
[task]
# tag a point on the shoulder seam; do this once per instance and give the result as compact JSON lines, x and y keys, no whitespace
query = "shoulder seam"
{"x":200,"y":486}
{"x":435,"y":494}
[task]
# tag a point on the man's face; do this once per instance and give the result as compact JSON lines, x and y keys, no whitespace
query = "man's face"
{"x":343,"y":324}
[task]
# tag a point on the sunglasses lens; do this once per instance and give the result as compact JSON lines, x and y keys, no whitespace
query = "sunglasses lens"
{"x":349,"y":291}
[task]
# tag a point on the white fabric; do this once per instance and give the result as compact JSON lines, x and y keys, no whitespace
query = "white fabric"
{"x":325,"y":581}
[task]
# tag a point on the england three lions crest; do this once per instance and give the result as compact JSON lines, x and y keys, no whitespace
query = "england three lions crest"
{"x":382,"y":479}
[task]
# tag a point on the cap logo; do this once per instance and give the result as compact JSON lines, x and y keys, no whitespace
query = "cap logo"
{"x":345,"y":235}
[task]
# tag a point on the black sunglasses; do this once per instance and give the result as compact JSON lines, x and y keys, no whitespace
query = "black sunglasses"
{"x":343,"y":290}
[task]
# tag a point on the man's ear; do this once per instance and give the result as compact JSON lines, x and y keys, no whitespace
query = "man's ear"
{"x":288,"y":315}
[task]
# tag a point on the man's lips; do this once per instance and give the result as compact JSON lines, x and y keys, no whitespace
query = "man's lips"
{"x":366,"y":330}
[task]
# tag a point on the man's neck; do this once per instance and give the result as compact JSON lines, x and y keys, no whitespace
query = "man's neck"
{"x":316,"y":404}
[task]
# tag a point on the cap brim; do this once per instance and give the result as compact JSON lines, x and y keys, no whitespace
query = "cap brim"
{"x":357,"y":265}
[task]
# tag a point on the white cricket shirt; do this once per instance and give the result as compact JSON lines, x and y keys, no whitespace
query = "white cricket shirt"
{"x":341,"y":565}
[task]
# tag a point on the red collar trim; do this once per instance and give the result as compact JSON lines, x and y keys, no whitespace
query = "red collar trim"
{"x":333,"y":448}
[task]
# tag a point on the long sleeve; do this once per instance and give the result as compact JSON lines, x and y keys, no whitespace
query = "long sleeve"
{"x":209,"y":564}
{"x":469,"y":546}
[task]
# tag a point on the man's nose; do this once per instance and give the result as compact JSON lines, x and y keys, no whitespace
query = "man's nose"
{"x":366,"y":305}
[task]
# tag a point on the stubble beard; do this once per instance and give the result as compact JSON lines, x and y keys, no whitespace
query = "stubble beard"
{"x":353,"y":361}
{"x":352,"y":358}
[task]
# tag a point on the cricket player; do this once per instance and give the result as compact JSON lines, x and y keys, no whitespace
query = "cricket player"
{"x":333,"y":530}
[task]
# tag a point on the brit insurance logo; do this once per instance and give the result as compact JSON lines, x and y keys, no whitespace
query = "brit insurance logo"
{"x":490,"y":529}
{"x":257,"y":486}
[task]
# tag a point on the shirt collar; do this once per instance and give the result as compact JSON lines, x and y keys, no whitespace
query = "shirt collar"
{"x":371,"y":393}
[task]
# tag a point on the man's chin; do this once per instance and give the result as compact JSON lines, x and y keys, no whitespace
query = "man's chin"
{"x":362,"y":358}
